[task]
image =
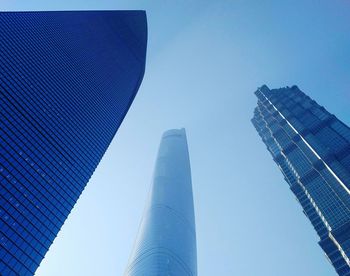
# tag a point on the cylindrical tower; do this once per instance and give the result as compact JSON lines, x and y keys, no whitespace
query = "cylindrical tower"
{"x":166,"y":243}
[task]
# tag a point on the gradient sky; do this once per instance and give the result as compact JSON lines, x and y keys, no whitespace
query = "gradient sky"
{"x":205,"y":60}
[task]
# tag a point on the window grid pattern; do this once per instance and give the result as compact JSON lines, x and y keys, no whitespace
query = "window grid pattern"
{"x":67,"y":80}
{"x":304,"y":139}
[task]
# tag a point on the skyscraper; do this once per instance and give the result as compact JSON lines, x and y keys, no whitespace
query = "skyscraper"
{"x":312,"y":149}
{"x":166,"y":242}
{"x":67,"y":80}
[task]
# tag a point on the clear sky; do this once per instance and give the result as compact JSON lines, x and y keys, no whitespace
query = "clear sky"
{"x":205,"y":60}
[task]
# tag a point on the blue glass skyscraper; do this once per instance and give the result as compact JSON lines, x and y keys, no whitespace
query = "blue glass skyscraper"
{"x":67,"y":80}
{"x":166,"y":243}
{"x":312,"y":149}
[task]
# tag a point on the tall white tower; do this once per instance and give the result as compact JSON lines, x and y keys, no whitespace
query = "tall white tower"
{"x":166,"y":242}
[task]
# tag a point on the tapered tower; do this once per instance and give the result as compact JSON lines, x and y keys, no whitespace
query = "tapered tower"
{"x":166,"y":243}
{"x":312,"y":149}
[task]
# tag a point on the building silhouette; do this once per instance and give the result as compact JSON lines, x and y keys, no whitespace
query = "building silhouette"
{"x":312,"y":149}
{"x":166,"y":242}
{"x":67,"y":80}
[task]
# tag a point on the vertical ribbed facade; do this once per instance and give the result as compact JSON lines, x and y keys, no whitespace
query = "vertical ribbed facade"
{"x":312,"y":149}
{"x":166,"y":242}
{"x":67,"y":80}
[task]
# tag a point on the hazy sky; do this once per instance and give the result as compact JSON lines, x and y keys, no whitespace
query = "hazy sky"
{"x":205,"y":60}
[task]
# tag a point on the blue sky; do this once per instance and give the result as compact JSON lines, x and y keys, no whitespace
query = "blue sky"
{"x":205,"y":60}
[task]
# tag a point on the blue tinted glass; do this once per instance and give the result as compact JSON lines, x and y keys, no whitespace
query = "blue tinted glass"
{"x":67,"y":81}
{"x":312,"y":149}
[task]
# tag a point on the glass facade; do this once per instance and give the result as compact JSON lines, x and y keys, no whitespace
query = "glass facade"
{"x":166,"y":243}
{"x":67,"y":80}
{"x":312,"y":149}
